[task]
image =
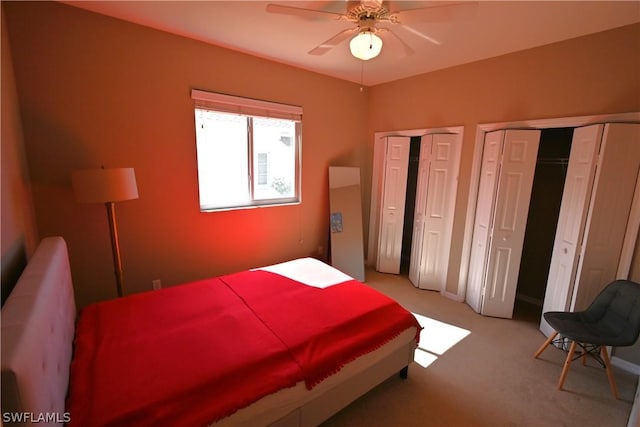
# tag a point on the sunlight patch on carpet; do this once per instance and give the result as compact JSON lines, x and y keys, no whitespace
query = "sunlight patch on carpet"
{"x":435,"y":339}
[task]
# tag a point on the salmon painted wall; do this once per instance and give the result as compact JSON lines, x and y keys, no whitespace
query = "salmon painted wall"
{"x":595,"y":74}
{"x":99,"y":91}
{"x":19,"y":230}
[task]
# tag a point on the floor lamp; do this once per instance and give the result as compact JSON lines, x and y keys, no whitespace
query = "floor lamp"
{"x":107,"y":186}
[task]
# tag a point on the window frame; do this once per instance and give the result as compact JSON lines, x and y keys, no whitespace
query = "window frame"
{"x":249,"y":108}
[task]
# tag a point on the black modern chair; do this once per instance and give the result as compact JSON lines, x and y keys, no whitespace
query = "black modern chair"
{"x":612,"y":319}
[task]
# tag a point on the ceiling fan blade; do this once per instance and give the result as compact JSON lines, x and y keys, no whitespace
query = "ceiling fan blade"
{"x":420,"y":34}
{"x":325,"y":47}
{"x":408,"y":51}
{"x":439,"y":13}
{"x":305,"y":13}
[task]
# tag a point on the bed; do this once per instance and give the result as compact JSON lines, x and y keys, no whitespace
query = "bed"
{"x":284,"y":345}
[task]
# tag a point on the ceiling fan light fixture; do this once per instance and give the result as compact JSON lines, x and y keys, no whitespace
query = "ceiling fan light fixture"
{"x":365,"y":45}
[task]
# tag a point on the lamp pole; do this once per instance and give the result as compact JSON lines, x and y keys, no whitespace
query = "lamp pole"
{"x":107,"y":186}
{"x":115,"y":246}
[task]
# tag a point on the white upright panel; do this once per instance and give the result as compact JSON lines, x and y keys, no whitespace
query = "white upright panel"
{"x":510,"y":221}
{"x":377,"y":174}
{"x":439,"y":211}
{"x":422,"y":186}
{"x":490,"y":168}
{"x":578,"y":185}
{"x":608,"y":215}
{"x":393,"y":200}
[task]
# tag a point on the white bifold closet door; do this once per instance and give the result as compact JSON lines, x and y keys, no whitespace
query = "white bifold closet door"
{"x":508,"y":167}
{"x":603,"y":171}
{"x":437,"y":185}
{"x":576,"y":195}
{"x":396,"y":169}
{"x":434,"y":210}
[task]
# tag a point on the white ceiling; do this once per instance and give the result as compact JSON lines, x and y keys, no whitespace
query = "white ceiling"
{"x":475,"y":30}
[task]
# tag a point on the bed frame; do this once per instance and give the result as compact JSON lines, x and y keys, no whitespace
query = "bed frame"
{"x":38,"y":323}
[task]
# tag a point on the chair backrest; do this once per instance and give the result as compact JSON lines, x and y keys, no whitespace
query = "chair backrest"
{"x":616,"y":310}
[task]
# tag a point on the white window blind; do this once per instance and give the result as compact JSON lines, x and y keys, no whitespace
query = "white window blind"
{"x":246,"y":106}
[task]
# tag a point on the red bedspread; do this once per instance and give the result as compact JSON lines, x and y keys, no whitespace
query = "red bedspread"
{"x":324,"y":328}
{"x":195,"y":353}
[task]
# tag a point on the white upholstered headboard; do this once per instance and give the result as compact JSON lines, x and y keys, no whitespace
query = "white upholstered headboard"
{"x":38,"y":321}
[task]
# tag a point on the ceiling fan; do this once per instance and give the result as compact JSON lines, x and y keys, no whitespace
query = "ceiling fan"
{"x":366,"y":41}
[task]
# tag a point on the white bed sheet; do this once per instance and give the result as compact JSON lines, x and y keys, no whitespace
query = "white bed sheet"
{"x":309,"y":271}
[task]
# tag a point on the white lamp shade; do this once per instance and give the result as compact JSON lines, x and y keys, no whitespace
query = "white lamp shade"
{"x":104,"y":185}
{"x":365,"y":45}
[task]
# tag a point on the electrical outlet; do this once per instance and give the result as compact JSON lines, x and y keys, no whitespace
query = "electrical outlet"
{"x":157,"y":284}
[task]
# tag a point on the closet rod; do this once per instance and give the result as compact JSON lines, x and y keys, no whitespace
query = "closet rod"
{"x":552,"y":161}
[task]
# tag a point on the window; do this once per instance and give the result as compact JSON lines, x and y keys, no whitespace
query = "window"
{"x":263,"y":168}
{"x":248,"y":152}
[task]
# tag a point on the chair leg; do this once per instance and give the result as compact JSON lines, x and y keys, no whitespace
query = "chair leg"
{"x":567,"y":363}
{"x":544,"y":346}
{"x":607,"y":364}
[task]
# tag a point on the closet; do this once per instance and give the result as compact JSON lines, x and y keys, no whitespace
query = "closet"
{"x":601,"y":174}
{"x":602,"y":178}
{"x":416,"y":180}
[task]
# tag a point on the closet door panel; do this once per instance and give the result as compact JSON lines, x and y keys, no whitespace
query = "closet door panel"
{"x":608,"y":215}
{"x":492,"y":152}
{"x":511,"y":210}
{"x":576,"y":195}
{"x":439,"y":212}
{"x":393,"y":201}
{"x":417,"y":247}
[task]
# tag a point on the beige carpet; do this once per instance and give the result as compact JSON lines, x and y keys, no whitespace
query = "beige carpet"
{"x":489,"y":378}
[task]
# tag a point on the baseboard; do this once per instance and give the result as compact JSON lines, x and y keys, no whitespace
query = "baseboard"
{"x":634,"y":417}
{"x":452,"y":296}
{"x":625,"y":365}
